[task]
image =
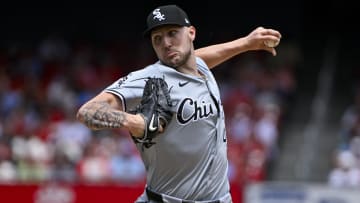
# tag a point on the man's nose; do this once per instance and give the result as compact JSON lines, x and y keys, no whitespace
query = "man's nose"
{"x":167,"y":41}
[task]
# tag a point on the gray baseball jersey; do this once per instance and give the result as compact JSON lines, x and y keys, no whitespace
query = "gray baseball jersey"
{"x":189,"y":159}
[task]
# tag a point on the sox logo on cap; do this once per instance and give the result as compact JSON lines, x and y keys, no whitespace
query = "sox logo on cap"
{"x":158,"y":15}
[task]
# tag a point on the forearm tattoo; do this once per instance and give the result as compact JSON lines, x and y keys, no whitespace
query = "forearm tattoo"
{"x":100,"y":115}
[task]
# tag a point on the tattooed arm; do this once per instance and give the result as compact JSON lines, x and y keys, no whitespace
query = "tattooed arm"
{"x":105,"y":111}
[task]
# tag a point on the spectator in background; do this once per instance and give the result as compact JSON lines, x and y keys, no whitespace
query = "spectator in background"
{"x":266,"y":129}
{"x":126,"y":165}
{"x":354,"y":147}
{"x":7,"y":168}
{"x":94,"y":166}
{"x":345,"y":174}
{"x":350,"y":121}
{"x":241,"y":124}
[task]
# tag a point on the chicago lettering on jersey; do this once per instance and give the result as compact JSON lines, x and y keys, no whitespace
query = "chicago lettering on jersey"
{"x":198,"y":110}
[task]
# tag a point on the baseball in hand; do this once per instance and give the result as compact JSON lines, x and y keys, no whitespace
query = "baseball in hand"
{"x":271,"y":43}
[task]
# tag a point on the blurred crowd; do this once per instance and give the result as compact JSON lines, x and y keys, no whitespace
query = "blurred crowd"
{"x":346,"y":166}
{"x":44,"y":83}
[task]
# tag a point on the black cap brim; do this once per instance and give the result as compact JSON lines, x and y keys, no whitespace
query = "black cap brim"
{"x":148,"y":31}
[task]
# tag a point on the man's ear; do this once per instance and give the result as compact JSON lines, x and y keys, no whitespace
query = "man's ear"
{"x":192,"y":32}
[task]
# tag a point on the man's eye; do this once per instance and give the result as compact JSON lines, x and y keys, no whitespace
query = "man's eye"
{"x":157,"y":39}
{"x":172,"y":32}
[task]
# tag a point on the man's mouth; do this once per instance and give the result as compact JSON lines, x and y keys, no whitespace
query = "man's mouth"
{"x":171,"y":54}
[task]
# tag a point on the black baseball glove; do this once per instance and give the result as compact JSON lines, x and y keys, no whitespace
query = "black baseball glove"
{"x":155,"y":108}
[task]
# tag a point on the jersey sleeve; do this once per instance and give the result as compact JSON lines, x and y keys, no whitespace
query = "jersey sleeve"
{"x":129,"y":89}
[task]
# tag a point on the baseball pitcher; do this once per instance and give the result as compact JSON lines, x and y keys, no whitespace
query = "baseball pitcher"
{"x":173,"y":110}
